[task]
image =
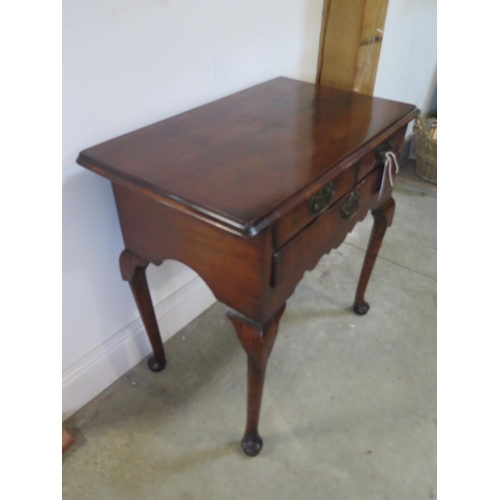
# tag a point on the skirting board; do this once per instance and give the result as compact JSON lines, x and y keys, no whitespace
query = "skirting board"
{"x":98,"y":369}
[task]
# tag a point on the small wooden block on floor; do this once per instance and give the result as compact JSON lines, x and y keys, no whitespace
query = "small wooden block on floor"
{"x":67,"y":440}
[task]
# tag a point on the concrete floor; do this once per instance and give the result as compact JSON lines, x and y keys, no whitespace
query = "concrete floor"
{"x":349,"y":408}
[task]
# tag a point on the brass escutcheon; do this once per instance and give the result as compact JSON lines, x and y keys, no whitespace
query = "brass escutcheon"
{"x":319,"y":202}
{"x":385,"y":147}
{"x":351,"y":205}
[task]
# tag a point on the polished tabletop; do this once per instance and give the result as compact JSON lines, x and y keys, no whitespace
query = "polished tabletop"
{"x":241,"y":157}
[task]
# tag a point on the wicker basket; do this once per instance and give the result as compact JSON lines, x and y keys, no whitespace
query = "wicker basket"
{"x":426,"y":148}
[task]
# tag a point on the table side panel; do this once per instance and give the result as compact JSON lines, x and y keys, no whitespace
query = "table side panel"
{"x":234,"y":268}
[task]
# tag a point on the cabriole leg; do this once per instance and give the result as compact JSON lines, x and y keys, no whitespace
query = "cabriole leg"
{"x":133,"y":269}
{"x":258,"y":341}
{"x":382,"y":220}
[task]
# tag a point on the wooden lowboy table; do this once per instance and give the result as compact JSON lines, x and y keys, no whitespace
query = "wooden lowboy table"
{"x":250,"y":191}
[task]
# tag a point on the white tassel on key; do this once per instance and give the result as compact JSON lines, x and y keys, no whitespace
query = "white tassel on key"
{"x":390,"y":158}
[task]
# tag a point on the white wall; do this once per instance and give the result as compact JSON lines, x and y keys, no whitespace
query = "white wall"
{"x":126,"y":64}
{"x":129,"y":63}
{"x":408,"y":59}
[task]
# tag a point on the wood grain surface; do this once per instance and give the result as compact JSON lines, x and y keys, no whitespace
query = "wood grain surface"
{"x":237,"y":160}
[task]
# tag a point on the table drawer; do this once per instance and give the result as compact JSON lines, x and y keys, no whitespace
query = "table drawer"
{"x":377,"y":156}
{"x":311,"y":206}
{"x":327,"y":231}
{"x":324,"y":194}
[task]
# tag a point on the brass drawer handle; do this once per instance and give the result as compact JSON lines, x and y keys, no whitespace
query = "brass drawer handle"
{"x":319,"y":202}
{"x":351,"y":205}
{"x":385,"y":147}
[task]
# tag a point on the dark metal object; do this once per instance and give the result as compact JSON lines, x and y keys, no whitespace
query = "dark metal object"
{"x":319,"y":202}
{"x":384,"y":148}
{"x":350,"y":205}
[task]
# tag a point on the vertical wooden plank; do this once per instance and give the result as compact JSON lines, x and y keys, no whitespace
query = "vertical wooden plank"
{"x":324,"y":18}
{"x":350,"y":41}
{"x":372,"y":32}
{"x":340,"y":42}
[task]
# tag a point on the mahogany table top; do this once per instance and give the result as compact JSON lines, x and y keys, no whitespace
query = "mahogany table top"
{"x":240,"y":158}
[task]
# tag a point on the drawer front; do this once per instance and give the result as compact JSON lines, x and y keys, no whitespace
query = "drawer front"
{"x":323,"y":195}
{"x":327,"y":231}
{"x":314,"y":204}
{"x":377,"y":156}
